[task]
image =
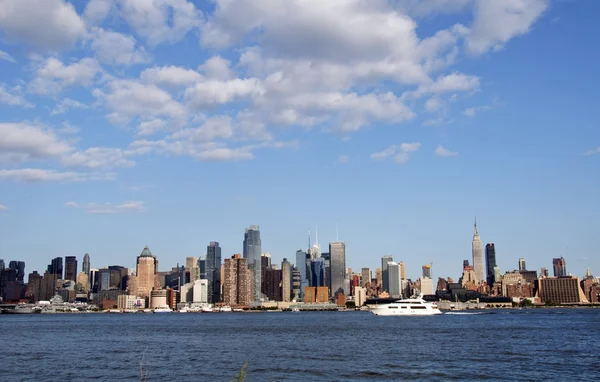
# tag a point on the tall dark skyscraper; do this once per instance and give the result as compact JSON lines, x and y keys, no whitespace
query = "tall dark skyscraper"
{"x":2,"y":266}
{"x":85,"y":268}
{"x":385,"y":277}
{"x":317,"y":273}
{"x":337,"y":265}
{"x":213,"y":271}
{"x":19,"y":267}
{"x":71,"y":268}
{"x":490,"y":261}
{"x":56,"y":267}
{"x":252,"y":251}
{"x":202,"y":266}
{"x":560,"y":267}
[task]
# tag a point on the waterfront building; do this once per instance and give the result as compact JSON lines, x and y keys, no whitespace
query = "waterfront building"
{"x":360,"y":296}
{"x":394,"y":279}
{"x":490,"y":262}
{"x":252,"y":251}
{"x":194,"y":292}
{"x":56,"y":267}
{"x":384,"y":272}
{"x":125,"y":301}
{"x":272,"y":284}
{"x":70,"y":268}
{"x":561,"y":290}
{"x":237,"y":283}
{"x":514,"y":285}
{"x":427,"y":286}
{"x":560,"y":267}
{"x":286,"y":280}
{"x":296,"y":284}
{"x":340,"y":299}
{"x":146,"y":270}
{"x":158,"y":299}
{"x":310,"y":295}
{"x":213,"y":271}
{"x":365,"y":275}
{"x":522,"y":266}
{"x":477,"y":253}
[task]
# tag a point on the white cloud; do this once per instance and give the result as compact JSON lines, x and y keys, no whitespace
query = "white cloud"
{"x":47,"y":24}
{"x":109,"y":208}
{"x":450,"y":83}
{"x":150,"y":127}
{"x":98,"y":158}
{"x":592,"y":152}
{"x":496,"y":22}
{"x":225,"y":154}
{"x":441,"y":151}
{"x":472,"y":111}
{"x":53,"y":75}
{"x":68,"y":129}
{"x":7,"y":57}
{"x":384,"y":154}
{"x":21,"y":142}
{"x":114,"y":48}
{"x":3,"y":208}
{"x":32,"y":175}
{"x":343,"y":159}
{"x":161,"y":21}
{"x":218,"y":68}
{"x":12,"y":99}
{"x":218,"y":127}
{"x":96,"y":11}
{"x":66,"y":104}
{"x":215,"y":92}
{"x":129,"y":99}
{"x":433,"y":104}
{"x":170,"y":76}
{"x":401,"y":152}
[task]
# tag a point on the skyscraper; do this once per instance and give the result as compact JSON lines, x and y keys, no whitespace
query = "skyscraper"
{"x":252,"y":251}
{"x":337,"y":253}
{"x":402,"y":270}
{"x":19,"y":267}
{"x":2,"y":266}
{"x":522,"y":264}
{"x":85,"y":268}
{"x":286,"y":280}
{"x":236,"y":283}
{"x":477,"y":256}
{"x":365,"y":275}
{"x":301,"y":264}
{"x":71,"y":268}
{"x":426,"y":270}
{"x":394,"y":280}
{"x":560,"y":267}
{"x":384,"y":272}
{"x":146,"y":269}
{"x":490,"y":261}
{"x":317,"y":273}
{"x":213,"y":271}
{"x":56,"y":267}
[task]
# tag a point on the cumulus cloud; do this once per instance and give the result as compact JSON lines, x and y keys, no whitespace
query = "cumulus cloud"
{"x":3,"y":208}
{"x":11,"y":98}
{"x":218,"y":68}
{"x":400,"y":153}
{"x":34,"y":175}
{"x":170,"y":76}
{"x":472,"y":111}
{"x":114,"y":48}
{"x":441,"y":151}
{"x":98,"y":158}
{"x":21,"y":142}
{"x":46,"y":24}
{"x":52,"y":76}
{"x":66,"y":104}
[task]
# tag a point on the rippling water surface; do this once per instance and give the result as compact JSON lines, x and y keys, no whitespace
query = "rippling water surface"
{"x":534,"y":345}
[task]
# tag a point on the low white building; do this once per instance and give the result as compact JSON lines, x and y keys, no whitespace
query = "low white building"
{"x":360,"y":296}
{"x":196,"y":292}
{"x":130,"y":302}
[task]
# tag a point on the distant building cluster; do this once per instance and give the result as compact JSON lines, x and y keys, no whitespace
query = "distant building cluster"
{"x":314,"y":278}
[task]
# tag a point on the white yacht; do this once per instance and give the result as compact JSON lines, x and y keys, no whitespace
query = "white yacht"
{"x":406,"y":307}
{"x":225,"y":309}
{"x":162,"y":309}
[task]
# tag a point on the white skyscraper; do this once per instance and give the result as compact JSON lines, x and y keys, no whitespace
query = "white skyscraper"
{"x":478,"y":256}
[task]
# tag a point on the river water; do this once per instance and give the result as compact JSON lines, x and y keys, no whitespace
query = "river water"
{"x":535,"y":344}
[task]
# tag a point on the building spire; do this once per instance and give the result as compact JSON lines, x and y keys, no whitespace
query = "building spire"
{"x":475,"y":226}
{"x":308,"y":240}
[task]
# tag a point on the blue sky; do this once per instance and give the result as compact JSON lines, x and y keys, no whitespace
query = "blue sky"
{"x":172,"y":123}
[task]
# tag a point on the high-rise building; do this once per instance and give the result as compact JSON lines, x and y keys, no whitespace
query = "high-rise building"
{"x":146,"y":269}
{"x":272,"y":284}
{"x":213,"y":271}
{"x":252,"y":251}
{"x":337,"y":251}
{"x":301,"y":265}
{"x":317,"y":273}
{"x":560,"y":267}
{"x":522,"y":266}
{"x":85,"y":268}
{"x":237,"y":284}
{"x":402,"y":270}
{"x":384,"y":272}
{"x":286,"y":280}
{"x":296,"y":283}
{"x":326,"y":256}
{"x":365,"y":275}
{"x":19,"y":267}
{"x":202,"y":267}
{"x":477,"y":255}
{"x":395,"y":284}
{"x":465,"y":263}
{"x":490,"y":261}
{"x":544,"y":272}
{"x":426,"y":286}
{"x":70,"y":268}
{"x":426,"y":271}
{"x":56,"y":267}
{"x":2,"y":266}
{"x":378,"y":277}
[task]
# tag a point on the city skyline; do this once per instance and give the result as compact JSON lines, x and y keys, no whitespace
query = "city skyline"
{"x":118,"y":131}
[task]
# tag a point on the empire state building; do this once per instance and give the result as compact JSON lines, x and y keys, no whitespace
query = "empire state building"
{"x":477,"y":256}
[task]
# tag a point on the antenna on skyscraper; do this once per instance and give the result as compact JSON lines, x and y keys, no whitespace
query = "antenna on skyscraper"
{"x":308,"y":240}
